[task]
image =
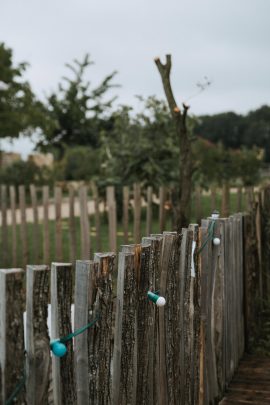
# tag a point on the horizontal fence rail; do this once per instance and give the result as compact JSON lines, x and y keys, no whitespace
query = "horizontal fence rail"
{"x":123,"y":348}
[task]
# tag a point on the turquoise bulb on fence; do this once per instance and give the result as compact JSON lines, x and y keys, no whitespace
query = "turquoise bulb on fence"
{"x":58,"y":348}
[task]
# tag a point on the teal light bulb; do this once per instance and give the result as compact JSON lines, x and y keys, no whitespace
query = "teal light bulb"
{"x":58,"y":348}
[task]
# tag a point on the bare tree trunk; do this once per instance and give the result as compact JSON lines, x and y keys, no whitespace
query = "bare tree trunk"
{"x":181,"y":195}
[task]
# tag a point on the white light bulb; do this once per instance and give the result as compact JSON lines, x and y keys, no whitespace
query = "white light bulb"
{"x":216,"y":241}
{"x":161,"y":302}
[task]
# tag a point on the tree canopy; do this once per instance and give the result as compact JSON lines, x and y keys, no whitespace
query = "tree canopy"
{"x":77,"y":112}
{"x":20,"y":112}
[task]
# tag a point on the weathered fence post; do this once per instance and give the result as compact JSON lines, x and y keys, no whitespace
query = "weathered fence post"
{"x":137,"y":212}
{"x":24,"y":239}
{"x":111,"y":203}
{"x":84,"y":222}
{"x":97,"y":217}
{"x":58,"y":224}
{"x":11,"y":334}
{"x":100,"y":346}
{"x":84,"y":287}
{"x":61,"y":299}
{"x":149,"y":211}
{"x":4,"y":232}
{"x":125,"y":212}
{"x":12,"y":196}
{"x":38,"y":357}
{"x":162,"y":198}
{"x":46,"y":235}
{"x":72,"y":226}
{"x":35,"y":235}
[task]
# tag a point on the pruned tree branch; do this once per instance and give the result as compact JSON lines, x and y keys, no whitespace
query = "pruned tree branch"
{"x":165,"y":70}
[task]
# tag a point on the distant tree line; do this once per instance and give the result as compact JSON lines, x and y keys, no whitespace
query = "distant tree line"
{"x":92,"y":138}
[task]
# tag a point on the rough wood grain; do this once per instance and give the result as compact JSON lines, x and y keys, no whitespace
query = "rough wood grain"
{"x":101,"y":349}
{"x":11,"y":333}
{"x":84,"y":287}
{"x":61,"y":299}
{"x":37,"y":338}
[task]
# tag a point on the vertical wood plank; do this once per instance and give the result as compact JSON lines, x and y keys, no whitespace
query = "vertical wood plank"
{"x":125,"y":212}
{"x":84,"y":223}
{"x":162,"y":198}
{"x":46,"y":237}
{"x":111,"y":203}
{"x":58,"y":223}
{"x":82,"y":316}
{"x":11,"y":333}
{"x":38,"y":358}
{"x":198,"y":204}
{"x":4,"y":230}
{"x":137,"y":213}
{"x":213,"y":194}
{"x":61,"y":299}
{"x":123,"y":356}
{"x":100,"y":387}
{"x":24,"y":239}
{"x":97,"y":217}
{"x":12,"y":196}
{"x":239,"y":199}
{"x":225,"y":202}
{"x":72,"y":226}
{"x":149,"y":214}
{"x":35,"y":234}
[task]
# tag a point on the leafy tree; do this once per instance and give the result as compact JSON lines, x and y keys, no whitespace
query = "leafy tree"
{"x":141,"y":147}
{"x":26,"y":173}
{"x":19,"y":110}
{"x":80,"y":163}
{"x":77,"y":112}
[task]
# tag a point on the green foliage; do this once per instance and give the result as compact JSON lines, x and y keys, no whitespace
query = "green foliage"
{"x":141,"y":147}
{"x":19,"y":110}
{"x":236,"y":131}
{"x":216,"y":164}
{"x":77,"y":113}
{"x":25,"y":173}
{"x":80,"y":163}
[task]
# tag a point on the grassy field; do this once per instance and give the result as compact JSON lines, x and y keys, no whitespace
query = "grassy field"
{"x":206,"y":211}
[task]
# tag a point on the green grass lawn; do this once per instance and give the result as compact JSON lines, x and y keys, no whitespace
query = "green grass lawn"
{"x":206,"y":211}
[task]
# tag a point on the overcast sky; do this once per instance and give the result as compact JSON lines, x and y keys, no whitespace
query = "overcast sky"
{"x":225,"y":40}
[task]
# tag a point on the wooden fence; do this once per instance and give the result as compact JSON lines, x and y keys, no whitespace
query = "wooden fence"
{"x":135,"y":352}
{"x":40,"y":225}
